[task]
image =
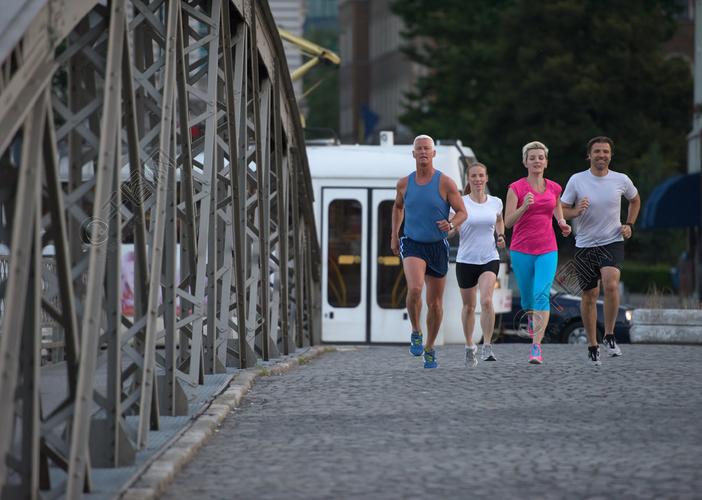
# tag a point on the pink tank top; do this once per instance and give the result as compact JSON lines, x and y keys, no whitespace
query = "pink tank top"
{"x":533,"y":233}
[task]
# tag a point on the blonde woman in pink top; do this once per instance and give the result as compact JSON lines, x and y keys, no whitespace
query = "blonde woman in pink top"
{"x":531,"y":202}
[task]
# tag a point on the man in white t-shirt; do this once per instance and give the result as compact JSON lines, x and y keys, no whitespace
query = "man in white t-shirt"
{"x":593,"y":200}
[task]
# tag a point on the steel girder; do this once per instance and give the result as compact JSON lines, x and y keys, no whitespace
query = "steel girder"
{"x":170,"y":125}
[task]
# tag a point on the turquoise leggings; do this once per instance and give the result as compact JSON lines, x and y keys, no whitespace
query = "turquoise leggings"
{"x":534,"y":275}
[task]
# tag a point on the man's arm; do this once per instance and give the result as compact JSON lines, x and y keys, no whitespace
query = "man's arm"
{"x":453,"y":196}
{"x":634,"y":208}
{"x":570,"y":211}
{"x":398,"y":214}
{"x":631,"y":216}
{"x":568,"y":199}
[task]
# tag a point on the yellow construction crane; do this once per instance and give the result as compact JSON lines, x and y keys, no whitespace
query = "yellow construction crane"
{"x":317,"y":53}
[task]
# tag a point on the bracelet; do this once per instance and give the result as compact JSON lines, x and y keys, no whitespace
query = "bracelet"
{"x":500,"y":236}
{"x":564,"y":221}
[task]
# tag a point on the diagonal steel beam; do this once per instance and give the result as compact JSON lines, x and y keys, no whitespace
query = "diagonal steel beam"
{"x":28,"y":187}
{"x":167,"y":135}
{"x":109,"y":143}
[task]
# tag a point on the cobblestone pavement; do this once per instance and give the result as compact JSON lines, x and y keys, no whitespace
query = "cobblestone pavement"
{"x":372,"y":423}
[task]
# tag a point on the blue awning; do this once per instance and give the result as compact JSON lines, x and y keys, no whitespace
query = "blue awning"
{"x":674,"y":203}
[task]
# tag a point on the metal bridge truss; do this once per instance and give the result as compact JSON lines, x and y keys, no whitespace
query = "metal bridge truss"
{"x":171,"y":125}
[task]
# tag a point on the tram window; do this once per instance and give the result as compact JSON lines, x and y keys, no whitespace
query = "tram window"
{"x":391,"y":285}
{"x":344,"y":253}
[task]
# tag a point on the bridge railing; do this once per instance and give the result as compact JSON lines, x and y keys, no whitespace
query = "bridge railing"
{"x":168,"y":128}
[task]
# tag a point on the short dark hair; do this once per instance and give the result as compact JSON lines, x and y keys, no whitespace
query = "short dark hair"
{"x":599,"y":138}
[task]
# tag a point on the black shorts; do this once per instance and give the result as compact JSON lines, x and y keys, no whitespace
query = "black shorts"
{"x":468,"y":274}
{"x":435,"y":254}
{"x":589,"y":261}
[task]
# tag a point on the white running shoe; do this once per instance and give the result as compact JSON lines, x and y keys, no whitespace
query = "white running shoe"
{"x":486,"y":353}
{"x":471,"y":356}
{"x":610,"y":346}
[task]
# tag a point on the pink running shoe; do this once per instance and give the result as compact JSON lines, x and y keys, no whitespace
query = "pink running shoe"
{"x":535,"y":357}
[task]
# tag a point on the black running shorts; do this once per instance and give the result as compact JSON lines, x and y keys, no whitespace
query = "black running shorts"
{"x":589,"y":262}
{"x":468,"y":274}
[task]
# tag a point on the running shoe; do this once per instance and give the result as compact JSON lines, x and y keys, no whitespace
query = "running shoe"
{"x":594,"y":355}
{"x":610,"y":346}
{"x":535,"y":357}
{"x":486,"y":353}
{"x":430,"y":359}
{"x":416,"y":344}
{"x":472,"y":356}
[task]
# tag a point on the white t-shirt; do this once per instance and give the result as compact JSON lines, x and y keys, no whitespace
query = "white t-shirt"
{"x":601,"y":223}
{"x":477,"y":233}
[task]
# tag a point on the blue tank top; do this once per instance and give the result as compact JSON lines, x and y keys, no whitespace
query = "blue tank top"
{"x":423,"y":207}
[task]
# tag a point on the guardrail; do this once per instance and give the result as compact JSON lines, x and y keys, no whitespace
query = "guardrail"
{"x":171,"y":125}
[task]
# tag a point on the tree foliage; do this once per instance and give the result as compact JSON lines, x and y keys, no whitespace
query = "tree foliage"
{"x":322,"y":83}
{"x":505,"y":72}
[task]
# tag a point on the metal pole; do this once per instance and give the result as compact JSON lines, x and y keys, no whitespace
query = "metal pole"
{"x":695,"y":139}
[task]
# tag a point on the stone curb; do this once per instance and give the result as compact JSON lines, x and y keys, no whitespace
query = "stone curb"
{"x":152,"y":481}
{"x":666,"y":326}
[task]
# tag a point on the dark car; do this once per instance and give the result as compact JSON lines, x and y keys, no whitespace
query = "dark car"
{"x":565,"y":324}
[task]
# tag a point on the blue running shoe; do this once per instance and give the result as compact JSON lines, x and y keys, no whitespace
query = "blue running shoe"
{"x":430,"y":359}
{"x":416,"y":344}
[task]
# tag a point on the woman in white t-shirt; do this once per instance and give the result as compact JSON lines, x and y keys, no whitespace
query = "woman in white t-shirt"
{"x":477,"y":261}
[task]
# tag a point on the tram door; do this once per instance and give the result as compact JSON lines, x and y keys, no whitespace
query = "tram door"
{"x":345,"y":265}
{"x":388,"y":290}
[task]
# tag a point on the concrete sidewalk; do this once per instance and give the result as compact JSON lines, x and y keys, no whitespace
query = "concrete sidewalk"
{"x":373,"y":423}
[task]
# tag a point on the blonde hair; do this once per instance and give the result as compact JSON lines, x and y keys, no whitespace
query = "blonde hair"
{"x":533,"y":145}
{"x":466,"y":190}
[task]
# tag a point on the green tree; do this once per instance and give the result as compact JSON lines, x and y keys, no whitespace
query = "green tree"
{"x":504,"y":72}
{"x":322,"y":83}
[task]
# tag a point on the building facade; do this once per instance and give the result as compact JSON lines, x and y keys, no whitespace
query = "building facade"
{"x":375,"y":74}
{"x":290,"y":15}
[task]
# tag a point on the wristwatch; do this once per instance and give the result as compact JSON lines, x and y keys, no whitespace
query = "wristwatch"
{"x":631,"y":226}
{"x":450,"y":226}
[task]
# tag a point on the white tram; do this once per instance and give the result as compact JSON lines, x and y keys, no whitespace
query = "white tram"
{"x":363,"y":286}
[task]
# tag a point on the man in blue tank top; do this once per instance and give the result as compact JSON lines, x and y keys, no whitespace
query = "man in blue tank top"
{"x":423,"y":200}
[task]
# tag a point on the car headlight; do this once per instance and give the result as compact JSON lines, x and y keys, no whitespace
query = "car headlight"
{"x":628,"y":315}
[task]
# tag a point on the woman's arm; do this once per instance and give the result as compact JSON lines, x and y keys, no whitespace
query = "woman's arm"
{"x":558,"y":214}
{"x":512,"y":213}
{"x":500,"y":228}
